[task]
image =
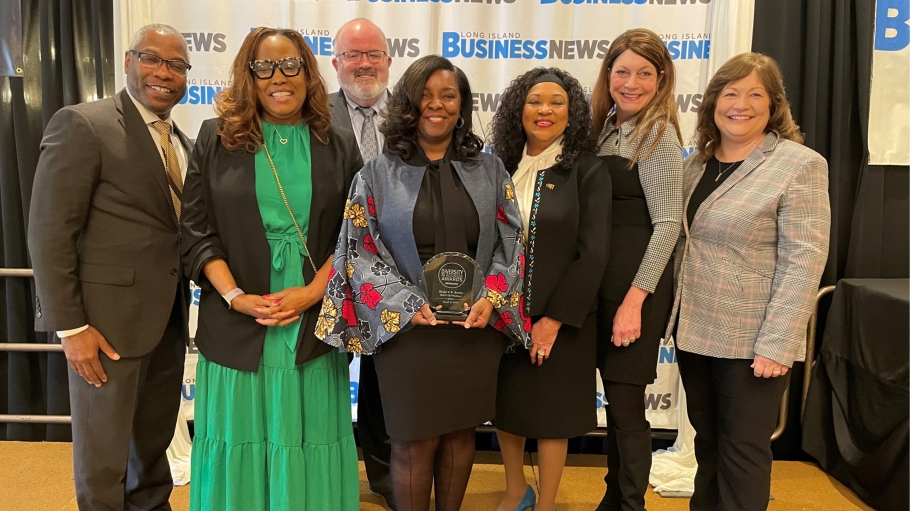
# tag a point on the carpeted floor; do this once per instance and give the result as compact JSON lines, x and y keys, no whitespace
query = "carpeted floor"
{"x":38,"y":477}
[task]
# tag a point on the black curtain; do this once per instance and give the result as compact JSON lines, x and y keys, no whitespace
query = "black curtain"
{"x":824,"y":48}
{"x":69,"y":58}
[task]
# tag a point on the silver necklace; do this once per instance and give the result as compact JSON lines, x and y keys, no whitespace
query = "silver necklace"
{"x":281,"y":139}
{"x":721,"y":172}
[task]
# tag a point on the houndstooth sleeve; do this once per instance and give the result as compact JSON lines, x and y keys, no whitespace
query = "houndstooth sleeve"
{"x":661,"y":179}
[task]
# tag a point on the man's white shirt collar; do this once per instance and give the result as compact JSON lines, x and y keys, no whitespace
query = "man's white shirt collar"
{"x":378,"y":106}
{"x":147,"y":115}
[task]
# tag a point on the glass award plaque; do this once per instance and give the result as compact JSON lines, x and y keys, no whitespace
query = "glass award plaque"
{"x":452,"y":282}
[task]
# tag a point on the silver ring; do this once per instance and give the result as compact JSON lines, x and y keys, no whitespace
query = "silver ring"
{"x":626,"y":342}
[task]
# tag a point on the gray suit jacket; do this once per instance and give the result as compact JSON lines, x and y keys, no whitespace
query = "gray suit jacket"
{"x":102,"y":234}
{"x":338,"y":109}
{"x":749,"y":266}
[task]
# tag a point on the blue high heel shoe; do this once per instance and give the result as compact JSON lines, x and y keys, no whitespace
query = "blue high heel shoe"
{"x":528,"y":501}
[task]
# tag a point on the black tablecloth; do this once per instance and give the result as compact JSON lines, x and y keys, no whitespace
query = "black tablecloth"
{"x":856,"y":422}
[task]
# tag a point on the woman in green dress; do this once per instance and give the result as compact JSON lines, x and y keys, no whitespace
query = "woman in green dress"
{"x":262,"y":208}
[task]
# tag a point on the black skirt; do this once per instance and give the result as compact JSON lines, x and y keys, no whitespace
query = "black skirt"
{"x":438,"y":379}
{"x":636,"y":363}
{"x":555,"y":400}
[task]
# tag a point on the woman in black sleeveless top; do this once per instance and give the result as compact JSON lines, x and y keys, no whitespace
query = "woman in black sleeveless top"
{"x":634,"y":110}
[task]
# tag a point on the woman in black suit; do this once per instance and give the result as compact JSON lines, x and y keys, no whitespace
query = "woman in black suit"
{"x":541,"y":132}
{"x":263,"y":205}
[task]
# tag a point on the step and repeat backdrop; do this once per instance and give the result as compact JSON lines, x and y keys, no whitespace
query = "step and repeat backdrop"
{"x":493,"y":41}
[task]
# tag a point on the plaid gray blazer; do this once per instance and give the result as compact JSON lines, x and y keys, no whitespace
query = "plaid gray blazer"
{"x":748,"y":268}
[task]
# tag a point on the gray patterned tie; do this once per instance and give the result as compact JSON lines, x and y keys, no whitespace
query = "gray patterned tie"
{"x":369,"y":147}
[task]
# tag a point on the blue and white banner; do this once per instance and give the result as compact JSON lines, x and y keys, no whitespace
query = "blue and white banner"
{"x":493,"y":41}
{"x":889,"y":106}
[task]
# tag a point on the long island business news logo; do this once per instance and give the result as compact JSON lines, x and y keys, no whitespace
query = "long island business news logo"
{"x":511,"y":45}
{"x":205,"y":41}
{"x":322,"y":44}
{"x":203,"y":91}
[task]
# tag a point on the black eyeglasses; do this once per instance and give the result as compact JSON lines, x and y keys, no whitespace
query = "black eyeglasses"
{"x":353,"y":56}
{"x":152,"y":61}
{"x":265,"y":69}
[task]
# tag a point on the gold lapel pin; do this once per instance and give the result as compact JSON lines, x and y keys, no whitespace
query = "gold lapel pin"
{"x":551,"y":186}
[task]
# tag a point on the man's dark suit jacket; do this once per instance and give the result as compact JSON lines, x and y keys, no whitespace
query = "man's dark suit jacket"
{"x":102,"y":230}
{"x":221,"y":220}
{"x":571,"y":226}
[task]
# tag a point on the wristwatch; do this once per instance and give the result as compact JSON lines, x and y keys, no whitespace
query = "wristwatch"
{"x":230,"y":295}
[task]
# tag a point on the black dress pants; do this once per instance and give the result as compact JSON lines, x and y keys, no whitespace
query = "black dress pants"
{"x":734,"y":414}
{"x":121,"y":430}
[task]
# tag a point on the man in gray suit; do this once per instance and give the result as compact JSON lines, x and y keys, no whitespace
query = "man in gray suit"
{"x":103,"y":237}
{"x":362,"y":61}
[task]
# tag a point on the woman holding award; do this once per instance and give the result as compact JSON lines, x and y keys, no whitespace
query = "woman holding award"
{"x":541,"y":132}
{"x":262,"y":207}
{"x":432,"y":191}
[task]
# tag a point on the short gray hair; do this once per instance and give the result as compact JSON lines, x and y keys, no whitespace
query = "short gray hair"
{"x":161,"y":28}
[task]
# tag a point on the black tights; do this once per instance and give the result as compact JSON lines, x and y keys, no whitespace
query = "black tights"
{"x":444,"y":461}
{"x":626,"y":410}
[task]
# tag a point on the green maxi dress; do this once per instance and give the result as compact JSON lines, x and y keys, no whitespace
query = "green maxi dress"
{"x":280,"y":438}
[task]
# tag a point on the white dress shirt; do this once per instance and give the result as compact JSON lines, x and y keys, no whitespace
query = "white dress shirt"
{"x":150,"y":119}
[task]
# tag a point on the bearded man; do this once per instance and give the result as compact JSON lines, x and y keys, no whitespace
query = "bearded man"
{"x":362,"y":62}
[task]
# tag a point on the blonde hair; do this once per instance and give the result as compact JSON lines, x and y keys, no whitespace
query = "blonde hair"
{"x":238,"y":109}
{"x":661,"y":111}
{"x":707,"y":136}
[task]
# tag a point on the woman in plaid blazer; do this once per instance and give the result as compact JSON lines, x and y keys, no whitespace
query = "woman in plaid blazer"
{"x":753,"y":246}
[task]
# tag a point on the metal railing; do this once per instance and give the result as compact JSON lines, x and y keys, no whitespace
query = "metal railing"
{"x":810,"y":347}
{"x":811,"y":330}
{"x":30,"y":347}
{"x":781,"y":421}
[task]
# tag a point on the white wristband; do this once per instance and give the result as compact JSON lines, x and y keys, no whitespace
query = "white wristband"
{"x":230,"y":295}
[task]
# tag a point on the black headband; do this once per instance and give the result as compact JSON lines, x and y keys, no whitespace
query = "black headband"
{"x":550,"y":77}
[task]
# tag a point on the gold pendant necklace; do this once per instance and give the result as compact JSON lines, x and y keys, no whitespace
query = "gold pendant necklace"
{"x":281,"y":139}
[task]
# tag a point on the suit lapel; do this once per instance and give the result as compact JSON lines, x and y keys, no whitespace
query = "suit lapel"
{"x":148,"y":155}
{"x":754,"y":160}
{"x":340,"y":115}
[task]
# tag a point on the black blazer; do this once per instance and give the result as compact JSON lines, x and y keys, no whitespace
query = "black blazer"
{"x":570,"y":228}
{"x":221,"y":219}
{"x":102,"y":231}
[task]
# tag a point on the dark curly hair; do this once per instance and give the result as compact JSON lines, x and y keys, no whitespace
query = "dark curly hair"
{"x":508,"y":137}
{"x":403,"y":110}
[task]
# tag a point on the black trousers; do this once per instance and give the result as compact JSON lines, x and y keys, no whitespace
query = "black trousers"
{"x":733,"y":413}
{"x":121,"y":430}
{"x":374,"y":441}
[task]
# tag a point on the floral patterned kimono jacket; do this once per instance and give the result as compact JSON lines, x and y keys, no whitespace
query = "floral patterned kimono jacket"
{"x":372,"y":294}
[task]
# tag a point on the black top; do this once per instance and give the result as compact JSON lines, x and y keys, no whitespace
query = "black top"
{"x":445,"y":218}
{"x":716,"y":172}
